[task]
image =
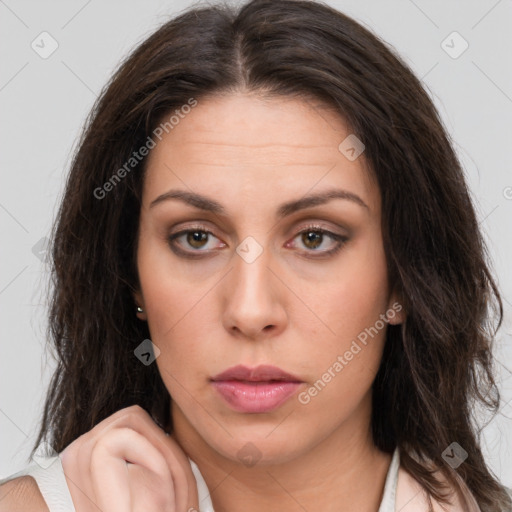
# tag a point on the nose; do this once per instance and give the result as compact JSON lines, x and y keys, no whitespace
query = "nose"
{"x":254,"y":299}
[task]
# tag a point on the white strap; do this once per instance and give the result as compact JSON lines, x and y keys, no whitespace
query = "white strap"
{"x":389,"y":496}
{"x":205,"y":502}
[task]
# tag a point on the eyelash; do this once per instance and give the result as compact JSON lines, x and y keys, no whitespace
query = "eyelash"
{"x":340,"y":239}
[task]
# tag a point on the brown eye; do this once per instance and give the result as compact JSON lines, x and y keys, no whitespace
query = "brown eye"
{"x":316,"y":240}
{"x":312,"y":239}
{"x":193,"y":242}
{"x":196,"y":239}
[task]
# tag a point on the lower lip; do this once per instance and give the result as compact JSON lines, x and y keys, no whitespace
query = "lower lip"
{"x":255,"y":396}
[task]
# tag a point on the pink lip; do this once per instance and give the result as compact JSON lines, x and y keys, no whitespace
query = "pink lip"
{"x":260,"y":373}
{"x":255,"y":390}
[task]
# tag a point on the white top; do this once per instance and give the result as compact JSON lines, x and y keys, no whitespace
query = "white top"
{"x":49,"y":475}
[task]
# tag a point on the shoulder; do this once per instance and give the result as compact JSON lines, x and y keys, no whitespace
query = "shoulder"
{"x":412,"y":497}
{"x":22,"y":494}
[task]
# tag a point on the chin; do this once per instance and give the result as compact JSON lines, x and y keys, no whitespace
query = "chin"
{"x":260,"y":450}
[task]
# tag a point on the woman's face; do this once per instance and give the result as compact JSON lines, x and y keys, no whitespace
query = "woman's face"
{"x":254,"y":282}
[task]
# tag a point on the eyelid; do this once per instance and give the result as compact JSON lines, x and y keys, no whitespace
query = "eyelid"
{"x":321,"y":226}
{"x":192,"y":227}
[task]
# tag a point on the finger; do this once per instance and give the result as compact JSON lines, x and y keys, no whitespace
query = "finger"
{"x":106,"y":423}
{"x":183,"y":478}
{"x":149,"y":493}
{"x":109,"y":473}
{"x":112,"y":486}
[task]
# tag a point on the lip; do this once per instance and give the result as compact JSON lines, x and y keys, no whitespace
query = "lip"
{"x":255,"y":390}
{"x":262,"y":373}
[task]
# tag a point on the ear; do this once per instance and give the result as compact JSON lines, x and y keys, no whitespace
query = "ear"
{"x":396,"y":313}
{"x":139,"y":302}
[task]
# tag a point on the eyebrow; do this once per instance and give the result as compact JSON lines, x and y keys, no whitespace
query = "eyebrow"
{"x":207,"y":204}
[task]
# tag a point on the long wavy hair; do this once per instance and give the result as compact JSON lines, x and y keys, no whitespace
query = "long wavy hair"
{"x":437,"y":367}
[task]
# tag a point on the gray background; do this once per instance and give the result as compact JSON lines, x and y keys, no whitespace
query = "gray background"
{"x":44,"y":103}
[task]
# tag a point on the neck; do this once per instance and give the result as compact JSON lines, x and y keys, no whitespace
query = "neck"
{"x":342,"y":473}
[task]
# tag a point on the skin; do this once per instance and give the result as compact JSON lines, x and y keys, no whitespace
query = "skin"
{"x":292,"y":307}
{"x":22,"y":494}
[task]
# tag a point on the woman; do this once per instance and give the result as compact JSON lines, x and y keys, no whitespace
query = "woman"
{"x":270,"y":285}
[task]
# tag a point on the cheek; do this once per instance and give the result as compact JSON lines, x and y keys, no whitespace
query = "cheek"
{"x":175,"y":309}
{"x":353,"y":340}
{"x":357,"y":293}
{"x":178,"y":326}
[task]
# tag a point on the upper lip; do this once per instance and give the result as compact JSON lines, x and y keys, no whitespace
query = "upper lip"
{"x":258,"y":374}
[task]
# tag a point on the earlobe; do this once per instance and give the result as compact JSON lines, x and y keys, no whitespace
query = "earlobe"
{"x":396,"y":313}
{"x":141,"y":313}
{"x":139,"y":306}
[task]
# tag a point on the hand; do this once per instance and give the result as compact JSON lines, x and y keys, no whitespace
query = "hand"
{"x":127,"y":463}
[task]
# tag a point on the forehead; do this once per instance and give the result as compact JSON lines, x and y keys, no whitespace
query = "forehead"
{"x":245,"y":142}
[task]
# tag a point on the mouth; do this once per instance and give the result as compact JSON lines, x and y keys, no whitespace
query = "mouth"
{"x":255,"y":390}
{"x":262,"y":373}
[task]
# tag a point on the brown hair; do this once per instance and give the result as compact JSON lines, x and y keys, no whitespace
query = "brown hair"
{"x":436,"y":367}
